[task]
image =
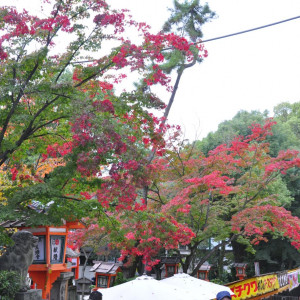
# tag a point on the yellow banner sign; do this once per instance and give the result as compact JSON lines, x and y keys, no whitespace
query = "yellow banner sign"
{"x":255,"y":286}
{"x":244,"y":289}
{"x":266,"y":284}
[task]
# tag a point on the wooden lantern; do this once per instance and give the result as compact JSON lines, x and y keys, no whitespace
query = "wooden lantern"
{"x":49,"y":255}
{"x":203,"y":272}
{"x":240,"y":270}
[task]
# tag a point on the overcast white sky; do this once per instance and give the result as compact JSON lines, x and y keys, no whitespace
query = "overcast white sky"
{"x":253,"y":71}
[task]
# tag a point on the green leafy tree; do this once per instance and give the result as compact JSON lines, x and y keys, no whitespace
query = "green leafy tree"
{"x":228,"y":130}
{"x":60,"y":106}
{"x":9,"y":284}
{"x":229,"y":195}
{"x":283,"y":137}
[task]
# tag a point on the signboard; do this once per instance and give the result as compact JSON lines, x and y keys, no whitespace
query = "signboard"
{"x":39,"y":250}
{"x":294,"y":279}
{"x":57,"y":243}
{"x":256,"y":268}
{"x":283,"y":279}
{"x":244,"y":289}
{"x":74,"y":262}
{"x":267,"y":283}
{"x":249,"y":288}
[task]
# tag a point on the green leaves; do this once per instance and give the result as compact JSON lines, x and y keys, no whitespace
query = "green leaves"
{"x":188,"y":18}
{"x":9,"y":284}
{"x":173,"y":59}
{"x":69,"y":143}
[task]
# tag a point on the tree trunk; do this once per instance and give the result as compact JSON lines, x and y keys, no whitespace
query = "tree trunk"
{"x":209,"y":254}
{"x":129,"y":271}
{"x":221,"y":261}
{"x":187,"y":262}
{"x":140,"y":266}
{"x":157,"y":270}
{"x":83,"y":269}
{"x":238,"y":251}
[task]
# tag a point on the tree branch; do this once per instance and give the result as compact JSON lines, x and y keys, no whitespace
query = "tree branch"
{"x":209,"y":254}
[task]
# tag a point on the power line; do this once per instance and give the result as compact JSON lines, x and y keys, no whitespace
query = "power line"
{"x":249,"y":30}
{"x":225,"y":36}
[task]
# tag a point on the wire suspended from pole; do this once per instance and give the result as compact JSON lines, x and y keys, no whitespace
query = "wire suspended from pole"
{"x":223,"y":36}
{"x":249,"y":30}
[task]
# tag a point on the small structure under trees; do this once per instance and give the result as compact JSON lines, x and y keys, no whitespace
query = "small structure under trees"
{"x":171,"y":264}
{"x":105,"y":273}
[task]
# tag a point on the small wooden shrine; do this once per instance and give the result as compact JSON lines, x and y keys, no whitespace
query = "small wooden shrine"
{"x":171,"y":265}
{"x":83,"y":285}
{"x":105,"y":273}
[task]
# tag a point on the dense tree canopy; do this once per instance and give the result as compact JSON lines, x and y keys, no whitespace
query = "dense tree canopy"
{"x":230,"y":193}
{"x":284,"y":137}
{"x":67,"y":139}
{"x":76,"y":147}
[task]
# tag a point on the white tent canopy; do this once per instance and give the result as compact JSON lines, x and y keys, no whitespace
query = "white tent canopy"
{"x":203,"y":289}
{"x":177,"y":287}
{"x":147,"y":288}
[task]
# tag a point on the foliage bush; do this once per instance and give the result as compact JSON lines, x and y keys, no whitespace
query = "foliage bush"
{"x":9,"y":284}
{"x":121,"y":279}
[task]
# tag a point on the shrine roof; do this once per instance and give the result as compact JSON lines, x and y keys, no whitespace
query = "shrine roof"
{"x":105,"y":267}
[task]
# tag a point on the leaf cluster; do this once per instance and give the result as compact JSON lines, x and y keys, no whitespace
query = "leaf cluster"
{"x":188,"y":18}
{"x":9,"y":284}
